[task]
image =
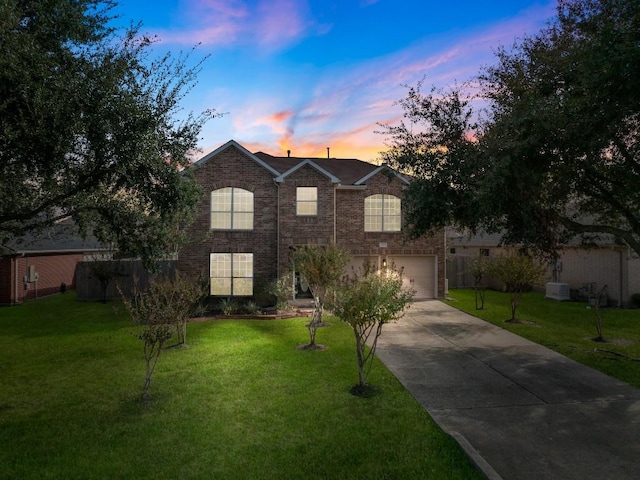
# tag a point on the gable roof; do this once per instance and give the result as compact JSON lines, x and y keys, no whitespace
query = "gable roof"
{"x":346,"y":171}
{"x":59,"y":238}
{"x":234,"y":144}
{"x":382,"y":168}
{"x":342,"y":171}
{"x":312,"y":164}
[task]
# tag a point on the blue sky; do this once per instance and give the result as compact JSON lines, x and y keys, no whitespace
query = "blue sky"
{"x":304,"y":75}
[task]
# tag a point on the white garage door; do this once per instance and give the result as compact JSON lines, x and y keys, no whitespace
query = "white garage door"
{"x":418,"y":272}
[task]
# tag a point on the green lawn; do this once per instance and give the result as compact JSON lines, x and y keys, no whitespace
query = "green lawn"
{"x":568,"y":328}
{"x":239,"y":402}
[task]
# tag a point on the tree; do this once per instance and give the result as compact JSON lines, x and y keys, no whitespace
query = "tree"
{"x":555,"y":155}
{"x":283,"y":290}
{"x":367,"y":300}
{"x":88,"y":128}
{"x":519,"y":274}
{"x":322,"y":267}
{"x":105,"y":271}
{"x":180,"y":297}
{"x":479,"y":267}
{"x":600,"y":295}
{"x":161,"y":311}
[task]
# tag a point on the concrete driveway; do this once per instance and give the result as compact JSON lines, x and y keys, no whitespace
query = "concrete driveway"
{"x":520,"y":410}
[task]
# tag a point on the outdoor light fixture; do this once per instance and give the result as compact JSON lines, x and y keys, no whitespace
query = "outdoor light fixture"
{"x":384,"y":263}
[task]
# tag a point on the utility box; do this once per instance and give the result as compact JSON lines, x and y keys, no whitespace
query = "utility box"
{"x":32,"y":275}
{"x":558,"y":291}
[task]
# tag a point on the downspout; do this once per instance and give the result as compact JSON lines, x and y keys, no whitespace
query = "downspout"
{"x":622,"y":296}
{"x":277,"y":231}
{"x":335,"y":221}
{"x":16,"y":281}
{"x":444,"y":266}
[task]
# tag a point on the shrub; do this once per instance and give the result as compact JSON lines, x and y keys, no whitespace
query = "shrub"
{"x":228,"y":306}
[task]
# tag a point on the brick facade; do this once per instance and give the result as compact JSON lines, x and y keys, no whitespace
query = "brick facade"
{"x":52,"y":270}
{"x":277,"y":227}
{"x":232,"y":168}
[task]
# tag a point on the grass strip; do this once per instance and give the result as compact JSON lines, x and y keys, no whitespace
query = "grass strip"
{"x":568,"y":328}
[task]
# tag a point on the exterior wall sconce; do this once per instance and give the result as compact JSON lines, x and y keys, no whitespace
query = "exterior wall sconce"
{"x":384,"y":263}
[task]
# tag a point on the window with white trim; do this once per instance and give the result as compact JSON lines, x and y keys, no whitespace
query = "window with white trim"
{"x":231,"y":274}
{"x":231,"y":209}
{"x":382,"y":213}
{"x":307,"y":201}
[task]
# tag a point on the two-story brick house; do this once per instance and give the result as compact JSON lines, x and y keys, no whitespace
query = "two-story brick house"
{"x":258,"y":208}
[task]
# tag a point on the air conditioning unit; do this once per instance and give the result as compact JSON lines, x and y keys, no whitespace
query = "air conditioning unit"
{"x":32,"y":275}
{"x":557,"y":291}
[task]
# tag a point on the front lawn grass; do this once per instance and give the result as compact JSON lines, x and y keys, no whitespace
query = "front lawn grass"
{"x":568,"y":328}
{"x":238,"y":402}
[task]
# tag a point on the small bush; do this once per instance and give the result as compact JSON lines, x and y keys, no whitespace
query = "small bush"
{"x":283,"y":289}
{"x":250,"y":308}
{"x":228,"y":306}
{"x":635,"y":300}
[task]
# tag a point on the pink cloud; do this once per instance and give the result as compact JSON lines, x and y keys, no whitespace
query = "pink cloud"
{"x":270,"y":25}
{"x":279,"y":23}
{"x":341,"y":107}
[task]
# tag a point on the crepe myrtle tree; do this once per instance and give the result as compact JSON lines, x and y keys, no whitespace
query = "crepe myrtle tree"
{"x":478,"y":268}
{"x":366,"y":300}
{"x":519,"y":273}
{"x":322,"y":266}
{"x":161,"y":312}
{"x":91,"y":128}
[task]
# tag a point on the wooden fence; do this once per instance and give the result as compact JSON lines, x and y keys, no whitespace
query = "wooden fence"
{"x":120,"y":273}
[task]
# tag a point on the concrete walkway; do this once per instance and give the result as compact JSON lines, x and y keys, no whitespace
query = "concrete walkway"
{"x":520,"y":410}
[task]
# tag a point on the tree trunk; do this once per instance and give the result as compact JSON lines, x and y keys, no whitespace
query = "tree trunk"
{"x":515,"y":302}
{"x":316,"y":320}
{"x":361,"y":359}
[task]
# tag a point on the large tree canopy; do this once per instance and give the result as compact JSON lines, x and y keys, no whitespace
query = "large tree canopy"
{"x":556,"y":153}
{"x":88,"y":127}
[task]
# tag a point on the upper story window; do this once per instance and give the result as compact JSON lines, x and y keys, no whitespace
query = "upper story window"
{"x":307,"y":201}
{"x":232,"y":209}
{"x":382,"y":213}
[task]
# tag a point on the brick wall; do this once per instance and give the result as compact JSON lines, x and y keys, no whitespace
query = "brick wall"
{"x":232,"y":168}
{"x":298,"y":230}
{"x":6,"y":285}
{"x":277,"y":227}
{"x":53,"y":270}
{"x":351,"y":234}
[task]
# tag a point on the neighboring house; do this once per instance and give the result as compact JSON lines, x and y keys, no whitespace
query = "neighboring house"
{"x":258,"y":209}
{"x":584,"y":270}
{"x":39,"y":265}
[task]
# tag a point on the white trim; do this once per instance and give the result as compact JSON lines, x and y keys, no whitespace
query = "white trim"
{"x":229,"y":144}
{"x":378,"y":170}
{"x":311,"y":163}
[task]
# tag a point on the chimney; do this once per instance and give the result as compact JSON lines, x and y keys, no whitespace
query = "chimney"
{"x":288,"y":153}
{"x":328,"y":152}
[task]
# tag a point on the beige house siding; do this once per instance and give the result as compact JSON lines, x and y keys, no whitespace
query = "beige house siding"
{"x":583,"y":269}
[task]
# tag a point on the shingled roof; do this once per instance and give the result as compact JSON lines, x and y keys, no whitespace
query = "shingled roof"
{"x":344,"y":171}
{"x":349,"y":171}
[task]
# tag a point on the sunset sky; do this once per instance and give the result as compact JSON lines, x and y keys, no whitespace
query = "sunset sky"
{"x":304,"y":75}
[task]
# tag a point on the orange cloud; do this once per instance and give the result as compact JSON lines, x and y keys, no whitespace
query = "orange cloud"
{"x":279,"y":117}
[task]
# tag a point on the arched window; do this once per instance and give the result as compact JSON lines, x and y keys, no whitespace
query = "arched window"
{"x":382,"y":213}
{"x":231,"y":209}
